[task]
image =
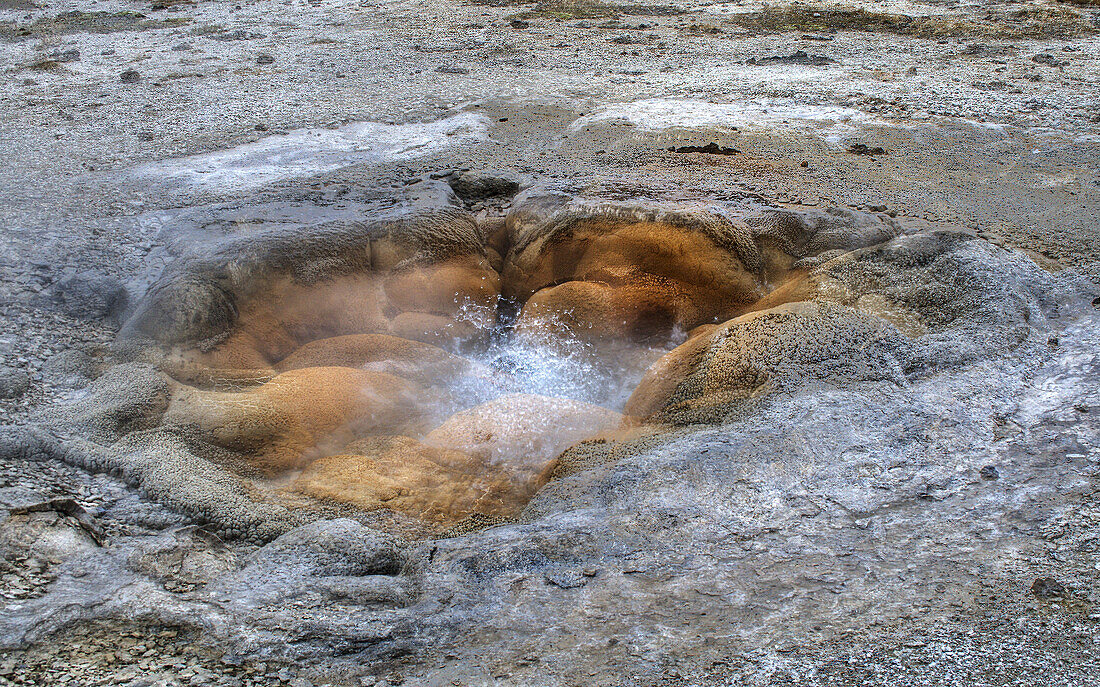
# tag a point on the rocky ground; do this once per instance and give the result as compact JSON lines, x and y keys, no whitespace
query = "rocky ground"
{"x":118,"y":119}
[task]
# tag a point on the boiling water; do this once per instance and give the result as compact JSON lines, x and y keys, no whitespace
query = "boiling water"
{"x":556,"y":361}
{"x":532,"y":394}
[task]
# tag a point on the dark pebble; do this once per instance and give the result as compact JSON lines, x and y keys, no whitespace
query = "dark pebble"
{"x":799,"y":57}
{"x":710,"y":149}
{"x":864,"y":149}
{"x":66,"y":56}
{"x":1047,"y":588}
{"x":1047,"y":59}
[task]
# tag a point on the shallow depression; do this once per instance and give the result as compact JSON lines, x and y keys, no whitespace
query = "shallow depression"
{"x":433,"y":365}
{"x":491,"y":429}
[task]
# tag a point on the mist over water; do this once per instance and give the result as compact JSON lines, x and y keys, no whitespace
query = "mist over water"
{"x":552,"y":360}
{"x":532,"y":393}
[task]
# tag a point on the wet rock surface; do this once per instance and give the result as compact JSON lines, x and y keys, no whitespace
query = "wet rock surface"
{"x":805,"y":412}
{"x":763,"y":446}
{"x":289,"y":351}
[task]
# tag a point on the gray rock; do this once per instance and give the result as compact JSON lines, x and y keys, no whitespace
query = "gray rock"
{"x":73,"y":368}
{"x":198,"y":296}
{"x":1048,"y":588}
{"x":846,"y":489}
{"x":89,"y":294}
{"x":478,"y":185}
{"x":13,"y":382}
{"x":332,"y":547}
{"x":566,"y":579}
{"x":128,"y":397}
{"x":71,"y":55}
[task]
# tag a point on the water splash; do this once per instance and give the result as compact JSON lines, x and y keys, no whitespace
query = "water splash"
{"x":550,"y":360}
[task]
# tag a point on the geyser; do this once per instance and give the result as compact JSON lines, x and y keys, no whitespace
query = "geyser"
{"x":422,"y":367}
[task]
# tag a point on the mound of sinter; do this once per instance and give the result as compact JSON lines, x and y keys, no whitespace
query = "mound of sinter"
{"x":864,"y":422}
{"x":283,"y":374}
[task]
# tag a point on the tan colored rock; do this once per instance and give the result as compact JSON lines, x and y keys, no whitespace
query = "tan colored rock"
{"x":601,"y":312}
{"x":661,"y":379}
{"x":629,"y":280}
{"x":427,"y":482}
{"x":611,"y":268}
{"x":766,"y":351}
{"x":444,"y":288}
{"x":284,"y":315}
{"x":217,"y":378}
{"x":606,"y":448}
{"x":279,"y":424}
{"x":406,"y":358}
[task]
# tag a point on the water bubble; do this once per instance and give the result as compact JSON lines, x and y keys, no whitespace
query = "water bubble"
{"x":551,"y":359}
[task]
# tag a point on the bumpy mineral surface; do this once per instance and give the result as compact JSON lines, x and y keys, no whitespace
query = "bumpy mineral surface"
{"x":367,"y":402}
{"x":259,"y":356}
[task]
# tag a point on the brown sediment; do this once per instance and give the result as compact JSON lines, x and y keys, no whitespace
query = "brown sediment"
{"x":415,"y":360}
{"x":629,"y":279}
{"x":404,"y":475}
{"x":1026,"y":22}
{"x":278,"y":424}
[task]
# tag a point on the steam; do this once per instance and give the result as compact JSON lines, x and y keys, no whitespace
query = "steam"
{"x":481,"y":436}
{"x":552,"y":360}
